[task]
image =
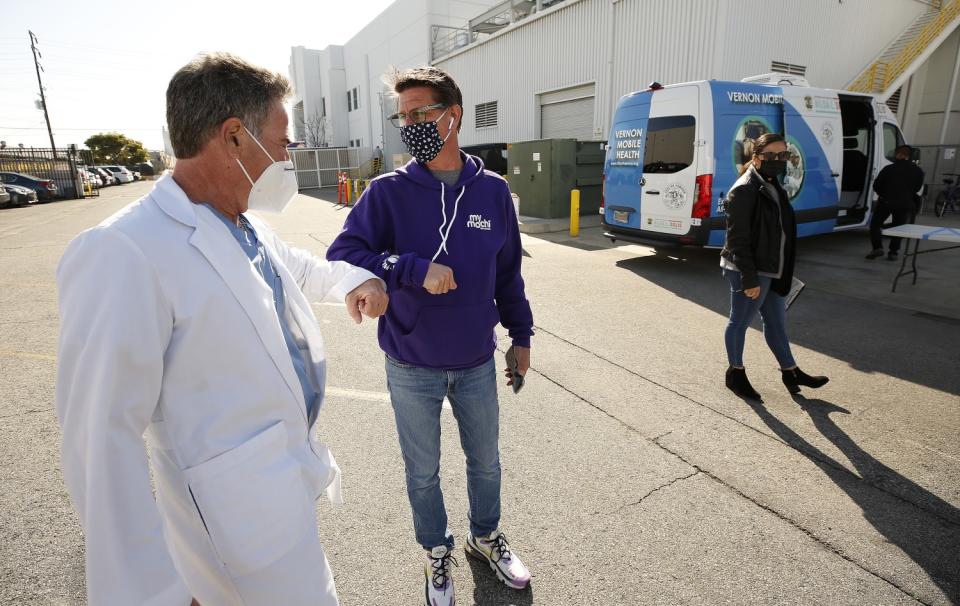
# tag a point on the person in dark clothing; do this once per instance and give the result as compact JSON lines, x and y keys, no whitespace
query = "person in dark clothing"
{"x":896,"y":186}
{"x":757,"y":261}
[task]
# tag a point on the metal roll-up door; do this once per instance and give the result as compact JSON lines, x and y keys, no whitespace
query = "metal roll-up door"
{"x":568,"y":119}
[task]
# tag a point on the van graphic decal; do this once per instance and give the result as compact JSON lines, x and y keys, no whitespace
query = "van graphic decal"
{"x":826,"y":133}
{"x":674,"y":196}
{"x":750,"y":129}
{"x":628,"y":147}
{"x":792,"y":180}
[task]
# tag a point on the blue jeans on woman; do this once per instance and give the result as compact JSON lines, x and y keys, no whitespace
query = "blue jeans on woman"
{"x":743,"y":310}
{"x":417,"y":396}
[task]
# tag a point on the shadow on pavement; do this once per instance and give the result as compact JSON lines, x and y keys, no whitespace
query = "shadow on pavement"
{"x":870,"y":337}
{"x":489,"y":591}
{"x":921,"y":524}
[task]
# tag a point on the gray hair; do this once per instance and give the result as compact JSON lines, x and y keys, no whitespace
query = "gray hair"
{"x":213,"y":88}
{"x":445,"y":90}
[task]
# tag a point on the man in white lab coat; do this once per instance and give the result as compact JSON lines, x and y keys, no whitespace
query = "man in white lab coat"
{"x":184,"y":318}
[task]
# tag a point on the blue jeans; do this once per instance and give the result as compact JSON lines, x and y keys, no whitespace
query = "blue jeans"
{"x":743,"y":310}
{"x":417,"y":397}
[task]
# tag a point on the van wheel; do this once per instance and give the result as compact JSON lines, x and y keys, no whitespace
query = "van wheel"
{"x":941,"y":204}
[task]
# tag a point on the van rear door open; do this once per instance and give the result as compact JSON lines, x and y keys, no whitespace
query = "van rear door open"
{"x":814,"y":133}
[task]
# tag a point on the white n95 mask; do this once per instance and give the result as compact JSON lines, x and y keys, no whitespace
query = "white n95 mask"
{"x":274,"y":188}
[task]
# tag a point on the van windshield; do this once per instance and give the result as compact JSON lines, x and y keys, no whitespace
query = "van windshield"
{"x":669,"y":144}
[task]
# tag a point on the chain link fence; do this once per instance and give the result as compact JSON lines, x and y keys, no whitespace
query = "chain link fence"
{"x":320,"y":166}
{"x":938,"y":162}
{"x":58,"y":165}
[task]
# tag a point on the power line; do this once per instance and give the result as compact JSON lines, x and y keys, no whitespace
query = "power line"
{"x":43,"y":98}
{"x":99,"y":49}
{"x":112,"y":128}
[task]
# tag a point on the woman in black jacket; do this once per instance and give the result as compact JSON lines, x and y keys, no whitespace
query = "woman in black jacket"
{"x":757,"y":261}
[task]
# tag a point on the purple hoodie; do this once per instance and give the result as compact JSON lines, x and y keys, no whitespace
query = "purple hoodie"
{"x":397,"y":227}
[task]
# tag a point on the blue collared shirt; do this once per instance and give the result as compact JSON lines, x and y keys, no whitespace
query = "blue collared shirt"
{"x":246,"y":236}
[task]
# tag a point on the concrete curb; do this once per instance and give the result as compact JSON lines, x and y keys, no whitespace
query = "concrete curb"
{"x":533,"y":225}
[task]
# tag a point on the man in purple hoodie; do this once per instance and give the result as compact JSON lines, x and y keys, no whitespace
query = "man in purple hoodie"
{"x":442,"y":233}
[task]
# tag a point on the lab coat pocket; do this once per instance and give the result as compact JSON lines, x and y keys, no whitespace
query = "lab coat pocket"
{"x":253,"y":501}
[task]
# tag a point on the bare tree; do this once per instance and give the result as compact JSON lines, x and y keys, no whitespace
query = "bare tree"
{"x":315,"y":128}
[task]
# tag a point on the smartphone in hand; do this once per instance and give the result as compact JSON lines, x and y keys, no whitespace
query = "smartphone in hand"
{"x":515,"y":375}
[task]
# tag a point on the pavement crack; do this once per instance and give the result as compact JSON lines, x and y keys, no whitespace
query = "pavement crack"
{"x":823,"y":543}
{"x":24,"y":413}
{"x":657,"y":489}
{"x":314,"y":236}
{"x":697,"y":469}
{"x":816,"y":457}
{"x":657,"y":439}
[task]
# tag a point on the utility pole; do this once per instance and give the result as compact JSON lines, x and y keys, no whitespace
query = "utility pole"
{"x":43,"y":99}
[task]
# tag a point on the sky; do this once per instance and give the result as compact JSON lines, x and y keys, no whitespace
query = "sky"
{"x":106,"y":63}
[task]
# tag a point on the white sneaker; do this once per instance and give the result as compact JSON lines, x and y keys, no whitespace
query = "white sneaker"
{"x":495,"y":550}
{"x":438,"y":584}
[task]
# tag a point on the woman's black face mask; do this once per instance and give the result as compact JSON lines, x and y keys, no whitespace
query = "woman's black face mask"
{"x":773,"y":169}
{"x":774,"y":164}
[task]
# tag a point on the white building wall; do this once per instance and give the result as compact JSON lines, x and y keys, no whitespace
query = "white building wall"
{"x":305,"y":75}
{"x":333,"y":89}
{"x":926,"y":96}
{"x":664,"y":40}
{"x":400,"y":37}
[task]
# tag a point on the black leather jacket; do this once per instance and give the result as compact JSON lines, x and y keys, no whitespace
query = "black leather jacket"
{"x":756,"y":224}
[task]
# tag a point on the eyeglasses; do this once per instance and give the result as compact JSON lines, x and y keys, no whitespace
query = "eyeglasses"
{"x":416,"y":116}
{"x":784,"y":155}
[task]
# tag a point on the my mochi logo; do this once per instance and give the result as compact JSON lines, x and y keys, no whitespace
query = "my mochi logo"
{"x":478,"y":222}
{"x":390,"y":263}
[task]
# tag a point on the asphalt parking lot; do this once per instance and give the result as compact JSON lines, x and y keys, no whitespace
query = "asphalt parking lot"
{"x":631,"y":475}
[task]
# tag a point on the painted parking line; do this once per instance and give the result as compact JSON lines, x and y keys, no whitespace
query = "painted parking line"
{"x":27,"y":354}
{"x":353,"y":394}
{"x":369,"y":396}
{"x":357,"y":394}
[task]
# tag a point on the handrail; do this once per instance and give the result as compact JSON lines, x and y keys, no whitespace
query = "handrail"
{"x":879,"y":76}
{"x":927,"y":35}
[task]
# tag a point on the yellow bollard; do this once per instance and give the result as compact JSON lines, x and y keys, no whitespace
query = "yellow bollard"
{"x":574,"y":212}
{"x":348,"y":192}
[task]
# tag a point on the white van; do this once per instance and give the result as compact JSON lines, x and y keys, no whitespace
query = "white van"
{"x":674,"y":151}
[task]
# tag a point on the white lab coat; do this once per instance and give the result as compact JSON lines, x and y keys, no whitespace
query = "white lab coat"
{"x":166,"y":327}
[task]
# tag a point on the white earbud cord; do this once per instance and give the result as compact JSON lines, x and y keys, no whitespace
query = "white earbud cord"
{"x":443,"y":209}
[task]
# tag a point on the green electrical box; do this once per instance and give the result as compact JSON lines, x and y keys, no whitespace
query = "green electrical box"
{"x":543,"y":172}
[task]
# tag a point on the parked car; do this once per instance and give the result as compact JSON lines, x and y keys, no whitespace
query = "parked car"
{"x":91,"y":177}
{"x":46,"y":188}
{"x":4,"y":195}
{"x":146,"y":169}
{"x":20,"y":195}
{"x":105,"y":175}
{"x":122,"y":175}
{"x":87,"y":177}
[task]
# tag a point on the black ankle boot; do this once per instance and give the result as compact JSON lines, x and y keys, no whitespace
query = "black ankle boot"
{"x":793,"y":379}
{"x":737,"y":383}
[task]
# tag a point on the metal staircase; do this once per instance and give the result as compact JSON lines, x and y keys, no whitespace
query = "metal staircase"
{"x":908,"y":52}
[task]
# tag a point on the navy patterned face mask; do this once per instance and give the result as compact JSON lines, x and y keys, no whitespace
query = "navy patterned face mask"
{"x":423,"y":140}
